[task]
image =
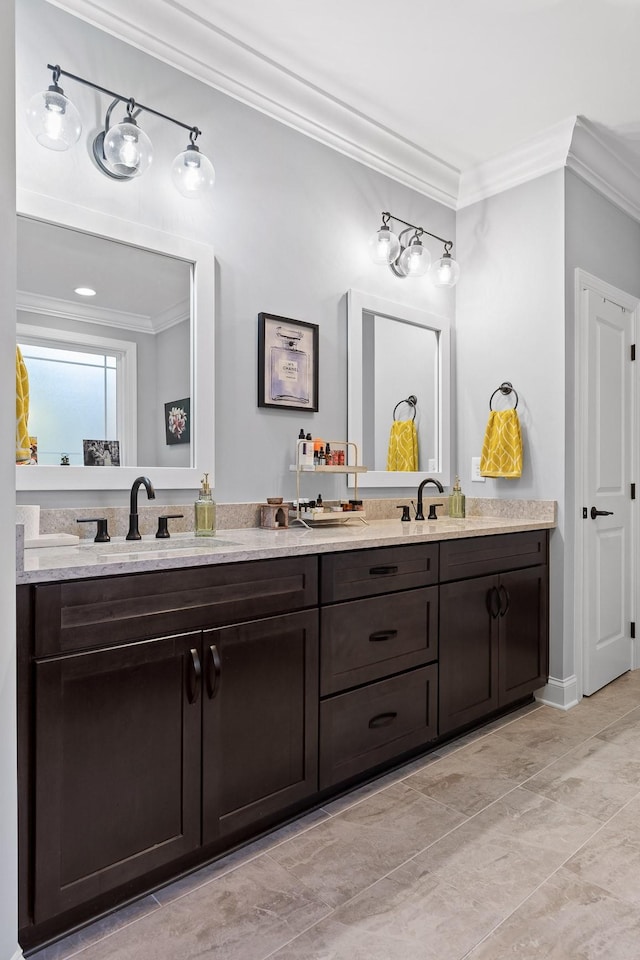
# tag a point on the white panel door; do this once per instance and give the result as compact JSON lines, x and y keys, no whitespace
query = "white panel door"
{"x":608,"y":525}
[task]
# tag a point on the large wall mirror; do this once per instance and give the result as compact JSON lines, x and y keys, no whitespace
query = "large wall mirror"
{"x":399,"y":372}
{"x":108,"y":367}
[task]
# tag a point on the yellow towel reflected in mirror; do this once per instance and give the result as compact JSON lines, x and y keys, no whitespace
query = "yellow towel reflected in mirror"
{"x":23,"y":446}
{"x":403,"y":446}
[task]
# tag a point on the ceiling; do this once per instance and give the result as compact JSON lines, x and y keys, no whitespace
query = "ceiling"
{"x":438,"y":86}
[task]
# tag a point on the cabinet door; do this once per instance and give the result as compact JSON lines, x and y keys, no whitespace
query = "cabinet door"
{"x":260,"y":720}
{"x":117,"y":744}
{"x":524,"y":643}
{"x":468,"y":654}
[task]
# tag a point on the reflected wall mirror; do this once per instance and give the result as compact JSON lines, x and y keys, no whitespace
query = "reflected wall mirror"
{"x":399,"y":370}
{"x":113,"y":360}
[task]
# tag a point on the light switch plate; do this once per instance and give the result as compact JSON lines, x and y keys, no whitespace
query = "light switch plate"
{"x":475,"y":471}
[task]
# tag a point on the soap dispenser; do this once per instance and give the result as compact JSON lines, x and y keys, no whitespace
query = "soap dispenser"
{"x":205,"y":510}
{"x":456,"y":500}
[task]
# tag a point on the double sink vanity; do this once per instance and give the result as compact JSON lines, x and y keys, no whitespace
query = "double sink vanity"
{"x":177,"y":698}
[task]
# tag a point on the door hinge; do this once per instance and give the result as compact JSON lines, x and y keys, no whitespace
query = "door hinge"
{"x":633,"y":629}
{"x":633,"y":491}
{"x":633,"y":351}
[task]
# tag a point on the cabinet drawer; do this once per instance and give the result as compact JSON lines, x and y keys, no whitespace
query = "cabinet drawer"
{"x":366,"y":640}
{"x":85,"y":614}
{"x":479,"y":556}
{"x":365,"y":573}
{"x":366,"y":727}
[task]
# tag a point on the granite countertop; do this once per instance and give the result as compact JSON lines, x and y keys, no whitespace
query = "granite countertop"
{"x":229,"y":546}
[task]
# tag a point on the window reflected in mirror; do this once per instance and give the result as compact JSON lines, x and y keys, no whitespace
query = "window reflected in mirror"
{"x":102,"y":366}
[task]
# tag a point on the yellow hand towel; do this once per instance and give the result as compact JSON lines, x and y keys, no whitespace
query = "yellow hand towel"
{"x":23,"y":447}
{"x":502,"y":447}
{"x":403,"y":446}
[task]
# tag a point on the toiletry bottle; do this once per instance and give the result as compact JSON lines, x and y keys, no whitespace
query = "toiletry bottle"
{"x":205,"y":511}
{"x":321,"y":458}
{"x":328,"y":456}
{"x":309,"y":455}
{"x":456,"y":500}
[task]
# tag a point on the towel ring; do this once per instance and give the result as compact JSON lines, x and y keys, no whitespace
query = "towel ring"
{"x":411,"y":400}
{"x":505,"y":388}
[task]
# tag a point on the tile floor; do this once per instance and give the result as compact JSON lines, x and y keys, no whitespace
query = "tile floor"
{"x":521,"y":840}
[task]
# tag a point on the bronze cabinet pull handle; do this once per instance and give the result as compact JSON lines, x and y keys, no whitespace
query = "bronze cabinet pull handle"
{"x":382,"y":720}
{"x":214,"y":672}
{"x":194,"y":676}
{"x":383,"y":635}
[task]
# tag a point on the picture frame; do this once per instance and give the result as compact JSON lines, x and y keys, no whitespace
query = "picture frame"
{"x":177,"y":421}
{"x":287,"y":363}
{"x":101,"y":453}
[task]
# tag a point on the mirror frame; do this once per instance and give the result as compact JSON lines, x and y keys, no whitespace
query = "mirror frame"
{"x":201,"y":255}
{"x":358,"y":305}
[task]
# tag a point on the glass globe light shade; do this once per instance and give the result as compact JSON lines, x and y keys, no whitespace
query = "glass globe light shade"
{"x":192,"y":173}
{"x":127,"y":148}
{"x":53,"y":120}
{"x":384,"y":246}
{"x":414,"y":260}
{"x":445,"y":271}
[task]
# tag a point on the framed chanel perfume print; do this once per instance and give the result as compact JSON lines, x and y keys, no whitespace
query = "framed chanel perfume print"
{"x":287,"y":363}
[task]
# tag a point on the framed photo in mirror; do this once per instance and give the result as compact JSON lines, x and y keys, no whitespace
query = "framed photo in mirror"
{"x":177,"y":421}
{"x":287,"y":363}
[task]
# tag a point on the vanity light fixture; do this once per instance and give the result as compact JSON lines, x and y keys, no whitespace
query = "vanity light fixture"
{"x":407,"y":256}
{"x":123,"y":150}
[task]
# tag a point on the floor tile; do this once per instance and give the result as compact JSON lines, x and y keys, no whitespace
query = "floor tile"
{"x":566,"y":919}
{"x":597,"y":778}
{"x":611,"y":859}
{"x":244,"y":915}
{"x":343,"y":856}
{"x":624,"y":733}
{"x":462,"y":781}
{"x":236,"y":858}
{"x":331,"y":940}
{"x":94,"y":932}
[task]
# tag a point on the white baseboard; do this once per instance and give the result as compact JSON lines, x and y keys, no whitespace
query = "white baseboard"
{"x":559,"y":693}
{"x":18,"y":955}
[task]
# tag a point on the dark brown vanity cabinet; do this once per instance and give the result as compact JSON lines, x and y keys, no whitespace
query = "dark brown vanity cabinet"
{"x":153,"y":748}
{"x":117,"y":767}
{"x":493,"y":629}
{"x":378,"y":648}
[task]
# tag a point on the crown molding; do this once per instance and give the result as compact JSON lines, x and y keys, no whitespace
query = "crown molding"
{"x":546,"y":152}
{"x":70,"y":310}
{"x":182,"y":39}
{"x":600,"y":161}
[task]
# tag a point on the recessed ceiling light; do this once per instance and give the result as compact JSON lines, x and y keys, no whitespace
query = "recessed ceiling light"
{"x":85,"y":292}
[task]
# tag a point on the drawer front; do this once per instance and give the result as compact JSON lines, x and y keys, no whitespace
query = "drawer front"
{"x":365,"y":640}
{"x":366,"y":573}
{"x":77,"y":615}
{"x":479,"y":556}
{"x":367,"y":727}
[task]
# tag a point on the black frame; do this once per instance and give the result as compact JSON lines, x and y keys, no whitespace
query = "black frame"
{"x":170,"y":438}
{"x":265,"y":392}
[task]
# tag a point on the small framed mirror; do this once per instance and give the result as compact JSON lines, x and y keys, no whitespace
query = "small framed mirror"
{"x":399,"y":391}
{"x":106,"y":370}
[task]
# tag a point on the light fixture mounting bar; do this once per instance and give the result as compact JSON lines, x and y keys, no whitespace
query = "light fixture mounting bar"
{"x":58,"y":72}
{"x":386,"y":216}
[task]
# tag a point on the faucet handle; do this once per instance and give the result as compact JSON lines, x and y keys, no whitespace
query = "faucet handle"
{"x":432,"y":510}
{"x":405,"y":512}
{"x":102,"y":534}
{"x":163,"y":524}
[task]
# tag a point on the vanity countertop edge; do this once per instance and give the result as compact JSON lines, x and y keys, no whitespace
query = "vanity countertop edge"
{"x":120,"y":557}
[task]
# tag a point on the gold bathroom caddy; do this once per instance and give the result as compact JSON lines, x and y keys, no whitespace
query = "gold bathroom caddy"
{"x":310,"y":519}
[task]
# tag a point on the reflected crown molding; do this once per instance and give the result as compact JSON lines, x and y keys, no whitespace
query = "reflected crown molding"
{"x":141,"y":323}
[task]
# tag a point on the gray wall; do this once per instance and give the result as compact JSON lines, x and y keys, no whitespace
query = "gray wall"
{"x":289,"y":221}
{"x":510,"y":326}
{"x":8,"y":830}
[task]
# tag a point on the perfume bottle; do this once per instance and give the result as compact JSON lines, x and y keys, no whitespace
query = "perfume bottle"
{"x":205,"y":511}
{"x":289,"y":365}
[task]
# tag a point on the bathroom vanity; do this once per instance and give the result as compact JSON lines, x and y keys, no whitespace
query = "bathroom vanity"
{"x":172,"y":709}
